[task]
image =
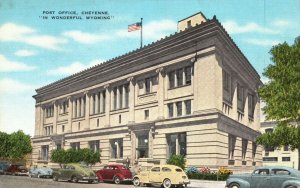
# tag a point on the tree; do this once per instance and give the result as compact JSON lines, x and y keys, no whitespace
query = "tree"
{"x":85,"y":155}
{"x":14,"y":147}
{"x":177,"y":160}
{"x":282,"y":97}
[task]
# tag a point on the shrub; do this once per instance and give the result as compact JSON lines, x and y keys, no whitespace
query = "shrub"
{"x":177,"y":160}
{"x":205,"y":170}
{"x":224,"y":170}
{"x":192,"y":170}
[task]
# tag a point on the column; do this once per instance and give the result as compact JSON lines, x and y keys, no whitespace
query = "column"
{"x":91,"y":104}
{"x":183,"y":108}
{"x":77,"y":108}
{"x":175,"y":78}
{"x":82,"y":107}
{"x":234,"y":99}
{"x":183,"y":77}
{"x":74,"y":107}
{"x":118,"y":97}
{"x":101,"y":102}
{"x":246,"y":109}
{"x":160,"y":93}
{"x":96,"y":103}
{"x":123,"y":96}
{"x":107,"y":106}
{"x":131,"y":99}
{"x":39,"y":123}
{"x":70,"y":115}
{"x":55,"y":104}
{"x":87,"y":110}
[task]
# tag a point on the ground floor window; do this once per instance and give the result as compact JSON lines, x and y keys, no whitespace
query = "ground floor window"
{"x":176,"y":144}
{"x":116,"y":148}
{"x":94,"y":145}
{"x":231,"y":146}
{"x":45,"y":153}
{"x":142,"y":145}
{"x":75,"y":145}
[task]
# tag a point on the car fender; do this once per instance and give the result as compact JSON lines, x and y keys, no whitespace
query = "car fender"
{"x":121,"y":176}
{"x":143,"y":179}
{"x":241,"y":182}
{"x":291,"y":182}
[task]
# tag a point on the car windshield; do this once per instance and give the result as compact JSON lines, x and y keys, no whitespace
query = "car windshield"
{"x":125,"y":168}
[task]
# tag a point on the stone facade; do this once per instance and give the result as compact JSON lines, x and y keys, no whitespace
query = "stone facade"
{"x":283,"y":156}
{"x":191,"y":93}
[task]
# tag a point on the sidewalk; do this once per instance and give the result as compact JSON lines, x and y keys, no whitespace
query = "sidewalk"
{"x":207,"y":184}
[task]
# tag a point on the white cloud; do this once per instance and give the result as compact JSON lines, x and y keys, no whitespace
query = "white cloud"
{"x":72,"y":68}
{"x":281,"y":23}
{"x":232,"y":27}
{"x":11,"y":32}
{"x":25,"y":53}
{"x":152,"y":31}
{"x":86,"y":38}
{"x":10,"y":86}
{"x":262,"y":42}
{"x":13,"y":66}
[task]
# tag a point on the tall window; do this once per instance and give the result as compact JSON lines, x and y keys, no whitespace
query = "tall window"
{"x":64,"y":107}
{"x":49,"y":111}
{"x":120,"y":97}
{"x":226,"y":81}
{"x":188,"y":75}
{"x":148,"y":85}
{"x":244,"y":148}
{"x":126,"y":96}
{"x":179,"y":74}
{"x":240,"y":92}
{"x":45,"y":152}
{"x":176,"y":144}
{"x":179,"y":108}
{"x":231,"y":146}
{"x":170,"y":109}
{"x":63,"y":128}
{"x":253,"y":150}
{"x":180,"y":77}
{"x":94,"y":145}
{"x":103,"y":102}
{"x":75,"y":145}
{"x":188,"y":108}
{"x":250,"y":106}
{"x":115,"y":97}
{"x":116,"y":148}
{"x":94,"y":104}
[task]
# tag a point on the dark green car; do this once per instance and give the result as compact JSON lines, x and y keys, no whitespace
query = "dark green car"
{"x":74,"y":172}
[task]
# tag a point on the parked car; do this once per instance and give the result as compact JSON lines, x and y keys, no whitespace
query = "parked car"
{"x":74,"y":172}
{"x":16,"y":170}
{"x":266,"y":177}
{"x":116,"y":173}
{"x":165,"y":175}
{"x":3,"y":167}
{"x":40,"y":172}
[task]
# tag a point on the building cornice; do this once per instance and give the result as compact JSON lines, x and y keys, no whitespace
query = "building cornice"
{"x":165,"y":49}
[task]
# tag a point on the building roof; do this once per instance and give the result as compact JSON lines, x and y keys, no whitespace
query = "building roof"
{"x":173,"y":46}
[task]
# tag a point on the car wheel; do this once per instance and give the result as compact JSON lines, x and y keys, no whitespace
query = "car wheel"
{"x":74,"y":179}
{"x":234,"y":185}
{"x":136,"y":182}
{"x":117,"y":180}
{"x":55,"y":178}
{"x":290,"y":186}
{"x":39,"y":175}
{"x":90,"y":181}
{"x":167,"y":183}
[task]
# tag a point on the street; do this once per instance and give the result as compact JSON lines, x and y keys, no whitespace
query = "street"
{"x":7,"y":181}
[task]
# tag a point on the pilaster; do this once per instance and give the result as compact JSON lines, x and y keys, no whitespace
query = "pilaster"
{"x":160,"y":92}
{"x":108,"y":107}
{"x":87,"y":110}
{"x":131,"y":99}
{"x":70,"y":115}
{"x":55,"y":104}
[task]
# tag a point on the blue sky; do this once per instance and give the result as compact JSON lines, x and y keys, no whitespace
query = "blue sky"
{"x":35,"y":51}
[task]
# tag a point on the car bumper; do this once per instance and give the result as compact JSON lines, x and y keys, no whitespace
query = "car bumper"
{"x":89,"y":178}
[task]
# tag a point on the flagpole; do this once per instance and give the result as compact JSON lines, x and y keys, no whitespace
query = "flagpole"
{"x":141,"y":32}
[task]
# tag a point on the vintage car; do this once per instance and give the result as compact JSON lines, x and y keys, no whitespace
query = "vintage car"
{"x":266,"y":177}
{"x":74,"y":172}
{"x":40,"y":172}
{"x":114,"y":172}
{"x":16,"y":169}
{"x":165,"y":175}
{"x":3,"y":167}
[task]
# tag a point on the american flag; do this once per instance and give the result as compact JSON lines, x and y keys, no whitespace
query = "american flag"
{"x":135,"y":26}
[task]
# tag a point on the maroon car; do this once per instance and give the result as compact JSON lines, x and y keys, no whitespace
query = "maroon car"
{"x":16,"y":170}
{"x":116,"y":173}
